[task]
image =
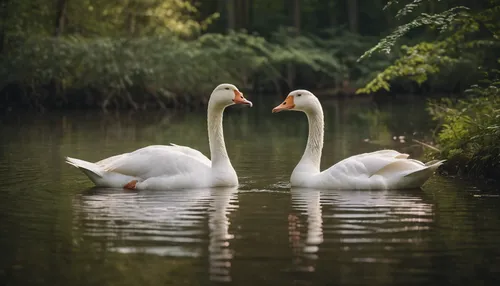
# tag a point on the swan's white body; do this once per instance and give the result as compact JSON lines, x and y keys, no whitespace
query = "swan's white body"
{"x":385,"y":169}
{"x":161,"y":167}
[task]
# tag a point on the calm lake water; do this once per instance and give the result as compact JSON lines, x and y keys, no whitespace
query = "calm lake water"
{"x":55,"y":229}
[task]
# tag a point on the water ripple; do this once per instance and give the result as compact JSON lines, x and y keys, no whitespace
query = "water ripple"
{"x":187,"y":223}
{"x":356,"y":225}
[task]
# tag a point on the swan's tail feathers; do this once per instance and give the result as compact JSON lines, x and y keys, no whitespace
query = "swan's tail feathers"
{"x":418,"y":178}
{"x":434,"y":164}
{"x":92,"y":170}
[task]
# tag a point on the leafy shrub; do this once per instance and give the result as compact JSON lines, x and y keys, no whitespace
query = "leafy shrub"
{"x":465,"y":39}
{"x":470,"y":129}
{"x":167,"y":70}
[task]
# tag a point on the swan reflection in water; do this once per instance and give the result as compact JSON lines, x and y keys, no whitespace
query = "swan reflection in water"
{"x":305,"y":247}
{"x":170,"y":223}
{"x":355,"y":226}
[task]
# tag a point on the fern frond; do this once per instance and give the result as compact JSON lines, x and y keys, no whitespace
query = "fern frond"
{"x":408,"y":8}
{"x":390,"y":3}
{"x":441,"y":20}
{"x":417,"y":64}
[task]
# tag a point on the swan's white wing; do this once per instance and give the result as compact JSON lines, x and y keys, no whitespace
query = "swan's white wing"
{"x":368,"y":163}
{"x":192,"y":152}
{"x":156,"y":160}
{"x":381,"y":169}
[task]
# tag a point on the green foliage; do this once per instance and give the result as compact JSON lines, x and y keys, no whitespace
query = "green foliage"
{"x":441,"y":21}
{"x":417,"y":64}
{"x":407,"y":9}
{"x":130,"y":52}
{"x":135,"y":17}
{"x":467,"y":39}
{"x":414,"y":6}
{"x":346,"y":46}
{"x":327,"y":59}
{"x":165,"y":69}
{"x":470,"y":128}
{"x":22,"y":18}
{"x":469,"y":135}
{"x":124,"y":51}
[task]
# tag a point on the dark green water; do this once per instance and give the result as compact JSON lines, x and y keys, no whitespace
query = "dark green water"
{"x":55,"y":229}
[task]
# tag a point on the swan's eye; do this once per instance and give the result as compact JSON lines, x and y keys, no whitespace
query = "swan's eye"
{"x":227,"y":88}
{"x":299,"y":94}
{"x":284,"y":103}
{"x":241,"y":97}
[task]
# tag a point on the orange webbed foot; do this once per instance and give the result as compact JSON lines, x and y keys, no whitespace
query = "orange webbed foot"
{"x":130,"y":185}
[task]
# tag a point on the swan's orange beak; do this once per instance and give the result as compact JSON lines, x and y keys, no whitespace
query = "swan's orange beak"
{"x":240,"y":99}
{"x":286,"y":105}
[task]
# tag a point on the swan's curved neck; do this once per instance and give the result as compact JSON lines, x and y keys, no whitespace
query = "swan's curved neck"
{"x":311,"y":159}
{"x":218,"y":153}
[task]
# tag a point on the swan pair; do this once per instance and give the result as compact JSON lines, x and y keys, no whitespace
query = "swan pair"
{"x":161,"y":167}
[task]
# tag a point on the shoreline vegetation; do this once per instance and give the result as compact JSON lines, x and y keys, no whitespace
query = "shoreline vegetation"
{"x":136,"y":54}
{"x":468,"y":125}
{"x":144,"y":54}
{"x":161,"y":71}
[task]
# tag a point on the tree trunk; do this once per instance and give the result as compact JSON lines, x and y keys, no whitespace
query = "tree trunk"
{"x":60,"y":16}
{"x":243,"y":14}
{"x":2,"y":39}
{"x":328,"y":10}
{"x":291,"y":74}
{"x":131,"y":24}
{"x":296,"y":16}
{"x":250,"y":15}
{"x":231,"y":15}
{"x":352,"y":13}
{"x":55,"y":86}
{"x":3,"y":23}
{"x":432,"y":7}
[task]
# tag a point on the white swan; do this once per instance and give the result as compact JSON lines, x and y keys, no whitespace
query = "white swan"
{"x":173,"y":167}
{"x":385,"y":169}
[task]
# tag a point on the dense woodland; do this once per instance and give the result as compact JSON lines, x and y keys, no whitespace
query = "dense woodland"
{"x":139,"y":53}
{"x":171,"y":53}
